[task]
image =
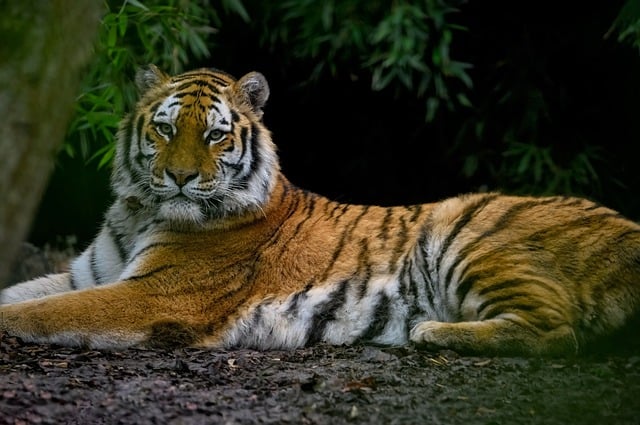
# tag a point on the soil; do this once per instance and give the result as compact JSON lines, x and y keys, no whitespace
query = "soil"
{"x":46,"y":384}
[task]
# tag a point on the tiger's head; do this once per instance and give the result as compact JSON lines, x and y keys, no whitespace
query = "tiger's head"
{"x":195,"y":148}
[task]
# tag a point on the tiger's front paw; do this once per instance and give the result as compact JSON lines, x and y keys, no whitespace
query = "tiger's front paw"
{"x":430,"y":335}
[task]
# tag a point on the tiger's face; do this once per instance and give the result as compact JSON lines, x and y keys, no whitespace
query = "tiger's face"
{"x":196,"y":149}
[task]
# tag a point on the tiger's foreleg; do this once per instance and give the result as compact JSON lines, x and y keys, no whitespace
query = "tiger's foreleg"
{"x":117,"y":315}
{"x":497,"y":336}
{"x":36,"y":288}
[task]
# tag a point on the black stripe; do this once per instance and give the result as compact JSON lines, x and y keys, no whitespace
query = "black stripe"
{"x":231,"y":146}
{"x":126,"y":141}
{"x":558,"y":231}
{"x":507,"y":218}
{"x":592,"y":206}
{"x":468,"y":277}
{"x":139,"y":159}
{"x":220,"y":81}
{"x":465,"y":219}
{"x":197,"y":82}
{"x":528,"y":325}
{"x":343,"y":210}
{"x":384,"y":227}
{"x":503,"y":303}
{"x":417,"y":210}
{"x":153,"y":108}
{"x":379,"y":318}
{"x":519,"y":281}
{"x":210,"y":74}
{"x":286,"y":187}
{"x":406,"y":277}
{"x":297,"y":298}
{"x":503,"y":284}
{"x":243,"y":140}
{"x":256,"y":159}
{"x":431,"y":288}
{"x":346,"y":234}
{"x":257,"y":315}
{"x":146,"y":226}
{"x":364,"y":263}
{"x":277,"y":234}
{"x":335,"y":205}
{"x":536,"y":322}
{"x":139,"y":132}
{"x":412,"y":290}
{"x":152,"y":272}
{"x":310,"y":201}
{"x":72,"y":282}
{"x":398,"y":249}
{"x":326,"y":313}
{"x":542,"y":323}
{"x":93,"y":265}
{"x":148,"y":248}
{"x":604,"y":249}
{"x":620,"y":239}
{"x":237,"y":168}
{"x":567,"y":201}
{"x":117,"y":241}
{"x":362,"y":284}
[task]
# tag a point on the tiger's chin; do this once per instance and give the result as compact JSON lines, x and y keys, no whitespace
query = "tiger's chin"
{"x":182,"y":211}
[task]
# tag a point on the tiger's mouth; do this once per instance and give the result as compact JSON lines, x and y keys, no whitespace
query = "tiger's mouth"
{"x":180,"y":208}
{"x":185,"y":209}
{"x":179,"y":196}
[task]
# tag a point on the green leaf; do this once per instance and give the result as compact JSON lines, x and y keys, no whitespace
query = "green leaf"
{"x":523,"y":164}
{"x":238,"y":8}
{"x":122,"y":24}
{"x":137,"y":4}
{"x":112,"y":37}
{"x":432,"y":107}
{"x":470,"y":165}
{"x":463,"y":100}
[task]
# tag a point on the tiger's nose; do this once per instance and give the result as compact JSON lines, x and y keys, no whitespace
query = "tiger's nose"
{"x":181,"y":177}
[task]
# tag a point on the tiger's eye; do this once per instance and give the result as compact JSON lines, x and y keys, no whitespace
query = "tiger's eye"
{"x":165,"y":129}
{"x":215,"y":136}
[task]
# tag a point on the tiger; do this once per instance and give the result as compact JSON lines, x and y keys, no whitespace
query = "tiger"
{"x":207,"y":244}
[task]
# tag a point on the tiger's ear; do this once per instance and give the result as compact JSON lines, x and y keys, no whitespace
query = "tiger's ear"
{"x":253,"y":90}
{"x":149,"y":77}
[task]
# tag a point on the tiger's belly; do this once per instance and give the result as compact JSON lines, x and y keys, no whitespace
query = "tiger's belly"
{"x":378,"y":310}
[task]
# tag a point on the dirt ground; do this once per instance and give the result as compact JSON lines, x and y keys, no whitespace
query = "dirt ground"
{"x":44,"y":384}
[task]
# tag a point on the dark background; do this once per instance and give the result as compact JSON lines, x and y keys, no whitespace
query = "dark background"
{"x":339,"y":138}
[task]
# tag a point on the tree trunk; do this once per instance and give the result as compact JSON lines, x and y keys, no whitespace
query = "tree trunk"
{"x":44,"y":49}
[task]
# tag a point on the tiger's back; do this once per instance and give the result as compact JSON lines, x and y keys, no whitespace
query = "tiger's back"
{"x":208,"y":244}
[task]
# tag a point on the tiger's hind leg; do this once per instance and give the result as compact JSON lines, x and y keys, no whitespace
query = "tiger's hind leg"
{"x":497,"y":336}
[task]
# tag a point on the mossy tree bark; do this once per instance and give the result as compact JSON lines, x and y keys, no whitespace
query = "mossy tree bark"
{"x":44,"y":49}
